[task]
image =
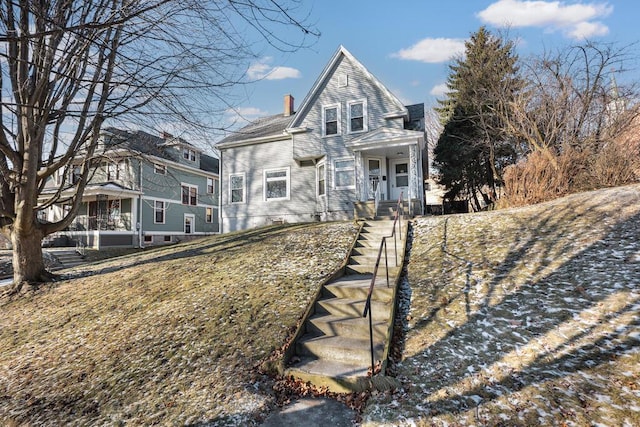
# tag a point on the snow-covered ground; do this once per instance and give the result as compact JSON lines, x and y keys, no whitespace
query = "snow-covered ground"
{"x":528,"y":316}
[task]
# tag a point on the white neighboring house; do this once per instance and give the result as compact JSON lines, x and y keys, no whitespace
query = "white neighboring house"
{"x":351,"y":142}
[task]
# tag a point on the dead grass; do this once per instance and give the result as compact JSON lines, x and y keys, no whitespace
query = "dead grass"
{"x":527,"y":317}
{"x":167,"y":337}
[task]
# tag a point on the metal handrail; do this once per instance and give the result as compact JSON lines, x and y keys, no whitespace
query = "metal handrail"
{"x":383,"y":244}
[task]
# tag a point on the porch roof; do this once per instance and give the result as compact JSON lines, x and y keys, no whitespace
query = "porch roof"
{"x":386,"y":137}
{"x":109,"y":189}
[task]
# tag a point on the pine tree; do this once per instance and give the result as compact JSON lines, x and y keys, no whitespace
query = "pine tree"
{"x":480,"y":86}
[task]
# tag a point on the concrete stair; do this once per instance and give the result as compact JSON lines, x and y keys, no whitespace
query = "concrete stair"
{"x":387,"y":209}
{"x":333,"y":348}
{"x":68,"y":258}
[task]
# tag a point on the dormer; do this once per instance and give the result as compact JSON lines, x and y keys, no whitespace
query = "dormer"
{"x":181,"y":151}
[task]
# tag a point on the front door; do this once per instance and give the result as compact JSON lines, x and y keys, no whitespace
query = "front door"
{"x":374,"y":172}
{"x":399,"y":178}
{"x":189,"y":223}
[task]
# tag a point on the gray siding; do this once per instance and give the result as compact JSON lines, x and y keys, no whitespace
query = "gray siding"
{"x":168,"y":188}
{"x":359,"y":87}
{"x":255,"y":211}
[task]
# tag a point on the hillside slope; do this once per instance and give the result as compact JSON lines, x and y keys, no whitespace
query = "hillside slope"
{"x":167,"y":337}
{"x":528,"y":316}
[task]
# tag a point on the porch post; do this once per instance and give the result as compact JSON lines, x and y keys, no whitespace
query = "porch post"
{"x":413,"y":172}
{"x":361,"y":187}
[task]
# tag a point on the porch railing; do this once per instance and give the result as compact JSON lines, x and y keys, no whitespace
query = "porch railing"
{"x":376,"y":198}
{"x":397,"y":222}
{"x":81,"y":248}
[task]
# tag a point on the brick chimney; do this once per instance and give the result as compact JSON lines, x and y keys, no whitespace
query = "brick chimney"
{"x":288,"y":105}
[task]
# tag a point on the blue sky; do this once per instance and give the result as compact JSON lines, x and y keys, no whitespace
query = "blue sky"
{"x":408,"y":44}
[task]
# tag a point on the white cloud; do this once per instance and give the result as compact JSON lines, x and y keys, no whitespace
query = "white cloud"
{"x":432,"y":50}
{"x":439,"y":90}
{"x":585,"y":30}
{"x":279,"y":73}
{"x":263,"y":70}
{"x":576,"y":20}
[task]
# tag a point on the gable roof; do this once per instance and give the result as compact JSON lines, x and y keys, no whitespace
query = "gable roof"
{"x":326,"y":73}
{"x":261,"y":130}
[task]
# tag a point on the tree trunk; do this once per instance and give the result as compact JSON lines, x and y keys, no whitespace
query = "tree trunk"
{"x":28,"y":262}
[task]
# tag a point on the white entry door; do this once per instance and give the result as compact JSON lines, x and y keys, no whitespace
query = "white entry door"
{"x":375,"y":170}
{"x":399,"y":175}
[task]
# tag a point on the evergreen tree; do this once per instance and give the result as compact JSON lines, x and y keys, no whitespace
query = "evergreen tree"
{"x":480,"y":87}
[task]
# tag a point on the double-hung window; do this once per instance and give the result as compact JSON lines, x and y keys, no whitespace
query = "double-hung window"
{"x":208,"y":215}
{"x":116,"y":170}
{"x":276,"y":184}
{"x":344,"y":173}
{"x":211,"y":185}
{"x":236,"y":188}
{"x":189,"y":195}
{"x":189,"y":154}
{"x":331,"y":120}
{"x":321,"y":179}
{"x":158,"y":212}
{"x":357,"y":116}
{"x":159,"y":169}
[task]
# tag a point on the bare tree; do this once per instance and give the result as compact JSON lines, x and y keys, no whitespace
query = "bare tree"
{"x":571,"y":99}
{"x":68,"y":67}
{"x":567,"y":120}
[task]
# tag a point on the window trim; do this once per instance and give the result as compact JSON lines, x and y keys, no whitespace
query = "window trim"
{"x":244,"y":188}
{"x":364,"y":115}
{"x":159,"y":169}
{"x":190,"y":196}
{"x":336,"y":170}
{"x":115,"y":170}
{"x":287,"y":179}
{"x":163,"y":209}
{"x":189,"y":154}
{"x":322,"y":165}
{"x":208,"y":219}
{"x":338,"y":120}
{"x":213,"y":185}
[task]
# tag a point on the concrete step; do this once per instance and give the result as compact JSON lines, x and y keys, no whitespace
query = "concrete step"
{"x":371,"y":260}
{"x":340,"y":349}
{"x":358,"y":288}
{"x":353,"y":308}
{"x":364,"y":269}
{"x":68,"y":258}
{"x":341,"y":377}
{"x":346,"y":326}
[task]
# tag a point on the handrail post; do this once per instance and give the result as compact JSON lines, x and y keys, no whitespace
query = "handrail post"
{"x":386,"y":261}
{"x":373,"y":362}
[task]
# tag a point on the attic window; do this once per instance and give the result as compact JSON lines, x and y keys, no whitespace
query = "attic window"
{"x":189,"y":154}
{"x":343,"y":80}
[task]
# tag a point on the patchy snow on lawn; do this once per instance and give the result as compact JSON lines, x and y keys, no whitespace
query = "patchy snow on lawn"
{"x":527,"y":316}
